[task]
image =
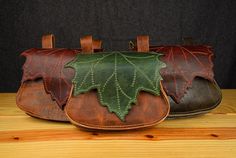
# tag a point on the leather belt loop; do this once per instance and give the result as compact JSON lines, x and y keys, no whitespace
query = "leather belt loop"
{"x":143,"y":43}
{"x":97,"y":44}
{"x":48,"y":41}
{"x":86,"y":43}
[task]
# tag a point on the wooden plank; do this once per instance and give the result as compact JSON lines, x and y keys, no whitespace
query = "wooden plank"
{"x":203,"y":121}
{"x":121,"y":148}
{"x":228,"y":103}
{"x":9,"y":123}
{"x":142,"y":134}
{"x":8,"y":105}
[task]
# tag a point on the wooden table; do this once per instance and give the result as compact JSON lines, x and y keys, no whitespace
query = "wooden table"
{"x":211,"y":135}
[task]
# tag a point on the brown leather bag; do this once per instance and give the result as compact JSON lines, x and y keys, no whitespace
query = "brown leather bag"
{"x":36,"y":95}
{"x":86,"y":111}
{"x":188,"y":78}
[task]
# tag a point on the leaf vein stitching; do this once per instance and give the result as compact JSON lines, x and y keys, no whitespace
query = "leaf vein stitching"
{"x":138,"y":70}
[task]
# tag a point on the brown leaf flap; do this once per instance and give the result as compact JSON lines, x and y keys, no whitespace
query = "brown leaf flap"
{"x":184,"y":63}
{"x":49,"y":65}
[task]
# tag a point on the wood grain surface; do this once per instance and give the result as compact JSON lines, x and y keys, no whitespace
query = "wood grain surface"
{"x":211,"y":135}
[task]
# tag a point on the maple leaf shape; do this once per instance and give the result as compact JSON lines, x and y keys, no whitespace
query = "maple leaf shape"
{"x":48,"y":64}
{"x":184,"y":63}
{"x":118,"y":77}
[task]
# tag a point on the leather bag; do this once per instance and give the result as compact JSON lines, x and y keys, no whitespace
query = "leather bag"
{"x":188,"y":78}
{"x":117,"y":91}
{"x":46,"y":85}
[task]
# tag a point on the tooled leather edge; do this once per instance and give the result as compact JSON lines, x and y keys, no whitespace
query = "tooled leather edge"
{"x":143,"y":41}
{"x":121,"y":127}
{"x":187,"y":85}
{"x":37,"y":76}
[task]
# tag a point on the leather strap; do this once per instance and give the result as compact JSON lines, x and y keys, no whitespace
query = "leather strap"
{"x":97,"y":44}
{"x":143,"y":43}
{"x":48,"y":41}
{"x":86,"y":43}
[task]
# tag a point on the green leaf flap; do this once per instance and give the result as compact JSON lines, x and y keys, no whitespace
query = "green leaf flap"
{"x":118,"y":77}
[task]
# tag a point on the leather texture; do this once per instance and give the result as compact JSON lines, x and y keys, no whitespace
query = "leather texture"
{"x":85,"y":110}
{"x":32,"y":98}
{"x":188,"y":78}
{"x":48,"y":64}
{"x":42,"y":104}
{"x":202,"y":97}
{"x":184,"y":63}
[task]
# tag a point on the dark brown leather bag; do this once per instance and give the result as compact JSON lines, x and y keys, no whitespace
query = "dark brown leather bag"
{"x":188,"y":78}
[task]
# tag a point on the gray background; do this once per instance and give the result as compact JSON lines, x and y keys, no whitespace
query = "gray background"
{"x":22,"y":23}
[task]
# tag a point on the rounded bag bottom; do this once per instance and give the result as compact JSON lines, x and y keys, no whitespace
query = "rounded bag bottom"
{"x":202,"y":97}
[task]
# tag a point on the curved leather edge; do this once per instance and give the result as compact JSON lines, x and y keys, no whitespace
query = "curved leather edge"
{"x":19,"y":105}
{"x":209,"y":75}
{"x":70,"y":54}
{"x":199,"y":111}
{"x":88,"y":45}
{"x":185,"y":82}
{"x":123,"y":127}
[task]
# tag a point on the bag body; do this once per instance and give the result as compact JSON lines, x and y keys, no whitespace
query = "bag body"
{"x":35,"y":101}
{"x":148,"y":111}
{"x":188,"y":78}
{"x":43,"y":93}
{"x":202,"y":97}
{"x":117,"y":91}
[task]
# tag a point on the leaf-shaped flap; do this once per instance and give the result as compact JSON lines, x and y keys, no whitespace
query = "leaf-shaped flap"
{"x":184,"y":63}
{"x":49,"y":65}
{"x":118,"y":77}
